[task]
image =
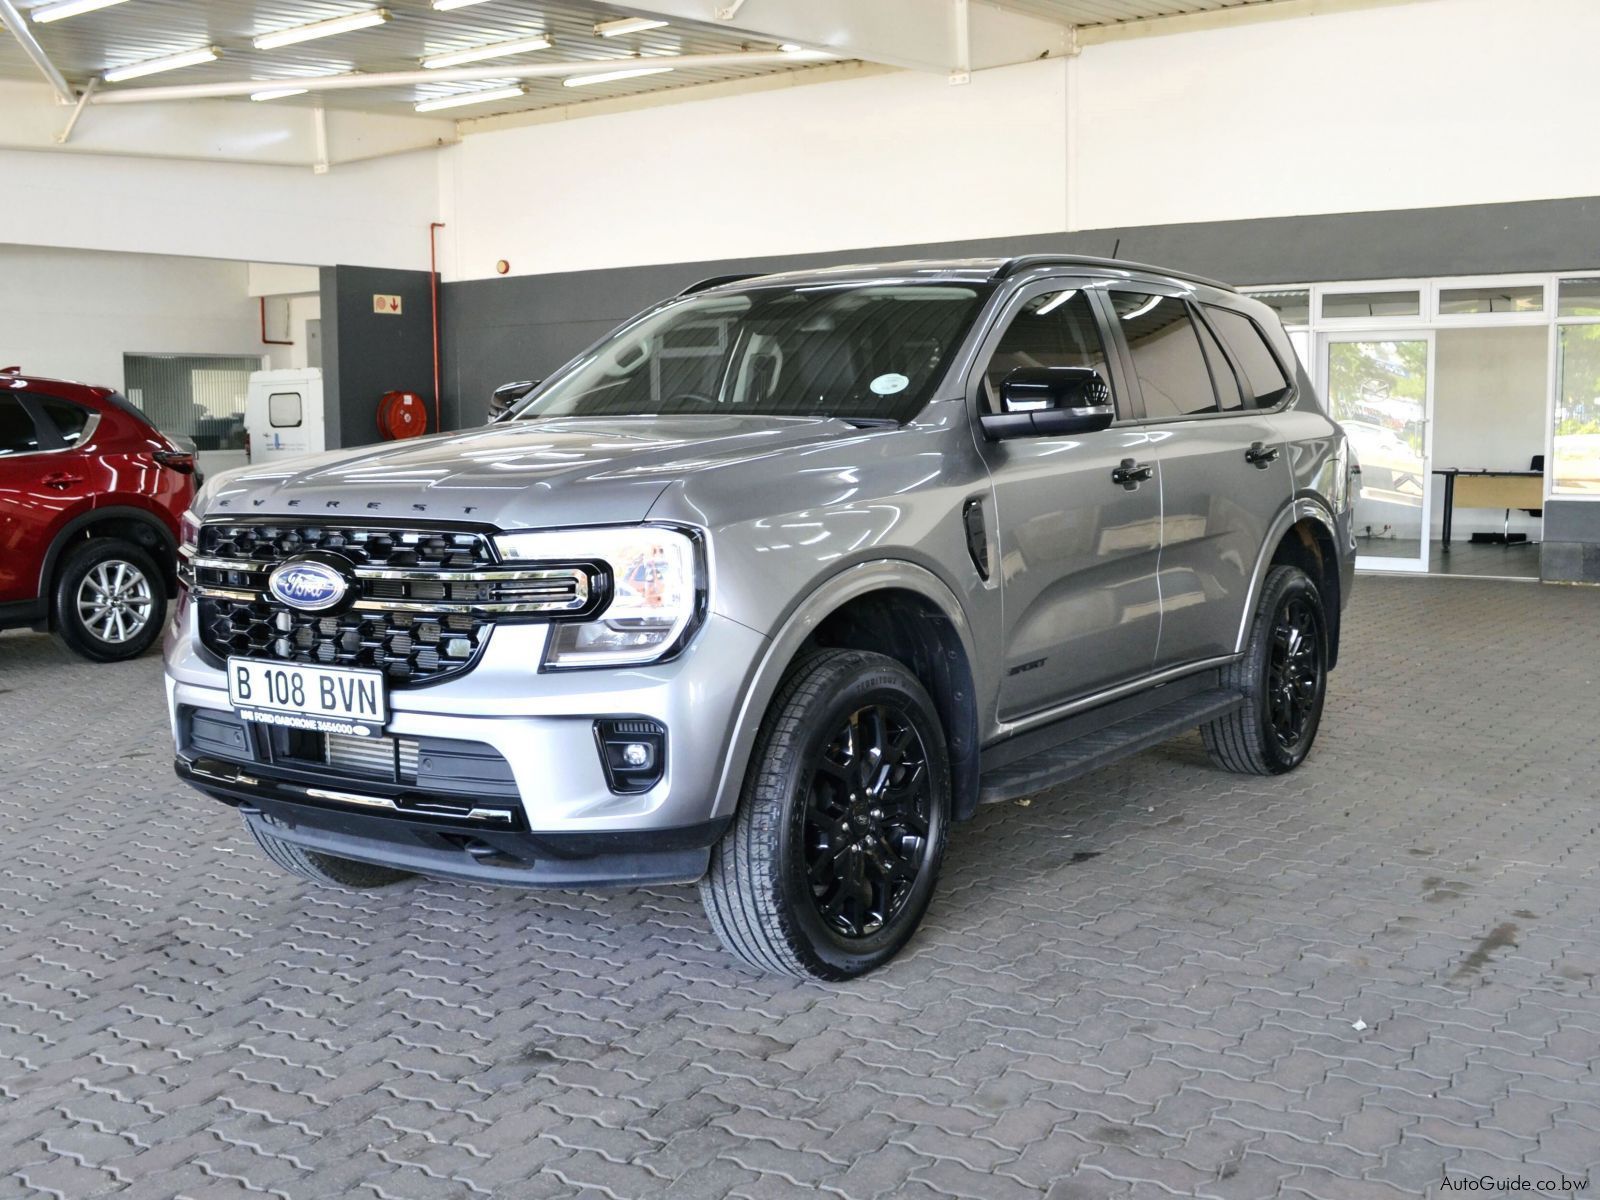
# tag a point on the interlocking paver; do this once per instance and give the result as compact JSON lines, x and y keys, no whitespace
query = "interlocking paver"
{"x":1143,"y":984}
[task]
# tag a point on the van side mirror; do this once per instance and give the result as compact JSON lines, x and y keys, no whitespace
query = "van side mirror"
{"x":504,"y":398}
{"x":1049,"y":402}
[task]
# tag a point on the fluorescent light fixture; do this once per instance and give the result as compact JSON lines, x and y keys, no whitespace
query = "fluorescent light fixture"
{"x":1055,"y":302}
{"x":522,"y":45}
{"x":464,"y":98}
{"x":364,"y":19}
{"x":277,"y":93}
{"x":46,"y":13}
{"x":626,"y":25}
{"x":167,"y":62}
{"x":449,"y":5}
{"x":609,"y":76}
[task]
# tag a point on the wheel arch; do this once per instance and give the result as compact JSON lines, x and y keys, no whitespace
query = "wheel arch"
{"x":1304,"y":535}
{"x":134,"y":524}
{"x":891,"y":607}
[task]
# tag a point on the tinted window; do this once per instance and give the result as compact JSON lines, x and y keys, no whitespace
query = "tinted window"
{"x":17,"y":434}
{"x":283,"y":410}
{"x":1166,"y":355}
{"x":1056,"y":329}
{"x":1223,"y":380}
{"x":1251,"y":352}
{"x":853,"y":350}
{"x":68,"y":418}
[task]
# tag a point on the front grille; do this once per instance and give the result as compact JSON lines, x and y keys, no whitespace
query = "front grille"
{"x":405,"y":646}
{"x":425,"y":599}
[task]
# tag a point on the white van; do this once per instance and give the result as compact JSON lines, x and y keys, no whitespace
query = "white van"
{"x":283,"y":414}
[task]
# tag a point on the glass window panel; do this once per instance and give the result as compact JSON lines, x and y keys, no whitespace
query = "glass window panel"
{"x":69,"y":419}
{"x":1166,"y":355}
{"x":1372,"y":304}
{"x":1229,"y":397}
{"x":1378,"y":391}
{"x":17,"y":434}
{"x":1579,"y":298}
{"x":1056,"y":329}
{"x":283,"y":410}
{"x":1255,"y":357}
{"x":1576,"y":469}
{"x":1293,"y":306}
{"x":1467,"y":301}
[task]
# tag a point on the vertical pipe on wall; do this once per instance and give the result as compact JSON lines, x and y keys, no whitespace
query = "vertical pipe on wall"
{"x":433,"y":284}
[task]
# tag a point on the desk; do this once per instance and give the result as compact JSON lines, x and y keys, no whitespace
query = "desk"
{"x":1489,"y":489}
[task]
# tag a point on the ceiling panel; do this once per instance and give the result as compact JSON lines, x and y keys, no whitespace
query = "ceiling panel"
{"x":84,"y":46}
{"x":1116,"y":12}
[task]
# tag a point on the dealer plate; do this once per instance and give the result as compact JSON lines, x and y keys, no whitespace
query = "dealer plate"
{"x":323,"y":699}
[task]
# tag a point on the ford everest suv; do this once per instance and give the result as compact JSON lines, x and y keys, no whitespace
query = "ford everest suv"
{"x":771,"y":588}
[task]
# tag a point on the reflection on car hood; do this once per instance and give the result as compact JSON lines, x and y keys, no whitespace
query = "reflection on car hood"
{"x":521,"y":474}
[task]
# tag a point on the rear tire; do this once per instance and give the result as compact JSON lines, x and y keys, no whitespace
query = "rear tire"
{"x":832,"y":857}
{"x":109,"y":601}
{"x":323,"y":868}
{"x":1283,"y":677}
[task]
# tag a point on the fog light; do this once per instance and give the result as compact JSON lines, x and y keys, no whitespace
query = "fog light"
{"x":633,"y":752}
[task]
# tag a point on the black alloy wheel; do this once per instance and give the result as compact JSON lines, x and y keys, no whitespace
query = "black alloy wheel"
{"x":1295,"y":670}
{"x":865,"y":823}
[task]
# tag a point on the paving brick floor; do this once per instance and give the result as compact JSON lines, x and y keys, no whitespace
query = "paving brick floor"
{"x":1148,"y":983}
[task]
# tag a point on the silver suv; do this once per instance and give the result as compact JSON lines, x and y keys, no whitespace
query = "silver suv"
{"x":771,"y":587}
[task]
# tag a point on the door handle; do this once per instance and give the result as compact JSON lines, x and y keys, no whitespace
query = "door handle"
{"x":1260,"y":455}
{"x":1131,"y":474}
{"x":61,"y":479}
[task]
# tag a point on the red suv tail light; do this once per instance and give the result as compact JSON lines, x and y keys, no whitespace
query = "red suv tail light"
{"x":178,"y":460}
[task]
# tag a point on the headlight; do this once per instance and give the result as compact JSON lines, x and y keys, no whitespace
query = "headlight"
{"x":188,"y":532}
{"x":656,"y":585}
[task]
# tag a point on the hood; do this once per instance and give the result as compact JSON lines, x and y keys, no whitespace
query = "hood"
{"x":519,"y":475}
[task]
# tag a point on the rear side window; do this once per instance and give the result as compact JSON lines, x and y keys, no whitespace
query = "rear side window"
{"x":1254,"y":356}
{"x":1223,"y":380}
{"x":68,"y":418}
{"x":283,"y":410}
{"x":1166,"y":355}
{"x":1057,"y":329}
{"x":17,"y":434}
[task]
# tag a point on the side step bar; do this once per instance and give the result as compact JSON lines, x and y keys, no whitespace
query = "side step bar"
{"x":1058,"y":764}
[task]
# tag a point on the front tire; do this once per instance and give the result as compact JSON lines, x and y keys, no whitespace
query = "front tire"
{"x":325,"y":869}
{"x":110,"y":600}
{"x":832,"y":857}
{"x":1283,"y":677}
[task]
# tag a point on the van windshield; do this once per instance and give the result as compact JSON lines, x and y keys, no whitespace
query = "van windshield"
{"x":861,"y":351}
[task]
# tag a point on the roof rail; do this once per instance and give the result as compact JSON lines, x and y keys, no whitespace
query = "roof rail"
{"x":1024,"y":261}
{"x":715,"y":281}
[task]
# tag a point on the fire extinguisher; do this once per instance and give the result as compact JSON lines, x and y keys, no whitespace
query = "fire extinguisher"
{"x":402,"y":415}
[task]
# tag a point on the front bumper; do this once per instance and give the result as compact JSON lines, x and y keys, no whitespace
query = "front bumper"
{"x":543,"y":727}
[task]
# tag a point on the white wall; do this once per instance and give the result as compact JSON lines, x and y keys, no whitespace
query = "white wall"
{"x":1489,"y":404}
{"x":363,"y":214}
{"x":1439,"y":102}
{"x":884,"y":159}
{"x":72,"y":314}
{"x":1409,"y":106}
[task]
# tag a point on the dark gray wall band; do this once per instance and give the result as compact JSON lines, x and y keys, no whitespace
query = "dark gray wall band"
{"x":524,"y":327}
{"x":365,"y":354}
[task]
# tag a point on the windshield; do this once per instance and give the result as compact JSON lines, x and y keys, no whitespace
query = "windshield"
{"x":857,"y":351}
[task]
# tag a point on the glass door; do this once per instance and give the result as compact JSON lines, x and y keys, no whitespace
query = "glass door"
{"x":1379,"y":386}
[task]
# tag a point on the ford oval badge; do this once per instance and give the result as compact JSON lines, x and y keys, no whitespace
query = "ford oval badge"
{"x":307,"y":585}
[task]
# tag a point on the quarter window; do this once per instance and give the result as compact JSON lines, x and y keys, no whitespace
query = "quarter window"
{"x":1250,"y":350}
{"x":1226,"y":383}
{"x":17,"y":434}
{"x":1166,"y":355}
{"x":68,"y":418}
{"x":1056,"y":329}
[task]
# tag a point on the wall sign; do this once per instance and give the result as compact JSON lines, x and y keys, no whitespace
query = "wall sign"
{"x":388,"y":305}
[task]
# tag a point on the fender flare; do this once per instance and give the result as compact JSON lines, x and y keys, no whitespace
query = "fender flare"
{"x":116,"y":512}
{"x":1300,"y":509}
{"x":826,"y":598}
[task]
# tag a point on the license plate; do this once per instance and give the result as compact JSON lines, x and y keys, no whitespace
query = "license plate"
{"x":323,"y":699}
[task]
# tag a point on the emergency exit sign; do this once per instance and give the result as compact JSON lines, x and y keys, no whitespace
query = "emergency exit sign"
{"x":389,"y":305}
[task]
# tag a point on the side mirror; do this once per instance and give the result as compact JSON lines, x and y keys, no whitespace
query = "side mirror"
{"x":504,"y":398}
{"x":1049,"y":402}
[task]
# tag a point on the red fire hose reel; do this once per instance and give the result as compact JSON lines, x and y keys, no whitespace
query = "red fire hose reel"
{"x":402,"y":415}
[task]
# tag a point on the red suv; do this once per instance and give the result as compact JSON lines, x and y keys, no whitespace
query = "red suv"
{"x":91,"y":499}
